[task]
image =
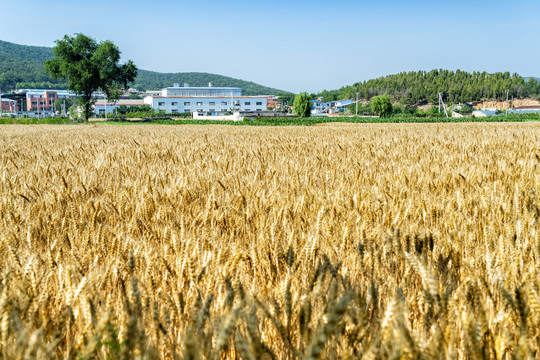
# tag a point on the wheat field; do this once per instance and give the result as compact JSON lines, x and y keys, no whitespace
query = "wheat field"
{"x":206,"y":242}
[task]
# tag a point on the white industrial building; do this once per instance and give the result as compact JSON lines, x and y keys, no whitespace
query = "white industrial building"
{"x":103,"y":106}
{"x":205,"y":100}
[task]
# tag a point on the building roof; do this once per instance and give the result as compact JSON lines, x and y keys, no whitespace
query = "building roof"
{"x":211,"y":96}
{"x":14,"y":96}
{"x":34,"y":91}
{"x":343,"y":102}
{"x":201,"y":88}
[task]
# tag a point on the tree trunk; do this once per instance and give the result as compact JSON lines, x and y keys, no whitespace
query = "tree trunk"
{"x":86,"y":111}
{"x":87,"y":104}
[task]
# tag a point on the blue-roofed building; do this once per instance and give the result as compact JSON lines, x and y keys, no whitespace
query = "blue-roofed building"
{"x":331,"y":107}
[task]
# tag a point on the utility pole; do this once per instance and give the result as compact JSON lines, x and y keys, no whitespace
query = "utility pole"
{"x":507,"y":102}
{"x":1,"y":104}
{"x":443,"y":104}
{"x":356,"y":104}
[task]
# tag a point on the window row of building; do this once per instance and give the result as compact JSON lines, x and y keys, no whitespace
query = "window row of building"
{"x":207,"y":106}
{"x":211,"y":103}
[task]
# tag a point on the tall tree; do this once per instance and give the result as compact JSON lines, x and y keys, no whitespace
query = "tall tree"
{"x":302,"y":105}
{"x":89,"y":66}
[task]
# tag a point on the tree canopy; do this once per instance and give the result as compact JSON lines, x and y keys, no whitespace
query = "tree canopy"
{"x":302,"y":105}
{"x":89,"y":66}
{"x":382,"y":105}
{"x":20,"y":63}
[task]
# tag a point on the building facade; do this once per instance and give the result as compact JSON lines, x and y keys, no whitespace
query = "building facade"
{"x":202,"y":100}
{"x":8,"y":105}
{"x":319,"y":107}
{"x":38,"y":101}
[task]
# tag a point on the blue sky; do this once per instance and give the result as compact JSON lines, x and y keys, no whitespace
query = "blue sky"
{"x":293,"y":45}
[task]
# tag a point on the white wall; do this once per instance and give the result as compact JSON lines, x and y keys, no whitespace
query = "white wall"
{"x":207,"y":104}
{"x":110,"y":108}
{"x":235,"y":117}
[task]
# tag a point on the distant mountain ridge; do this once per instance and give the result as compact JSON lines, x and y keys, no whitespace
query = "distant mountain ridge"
{"x":22,"y":65}
{"x":155,"y":80}
{"x":534,"y":77}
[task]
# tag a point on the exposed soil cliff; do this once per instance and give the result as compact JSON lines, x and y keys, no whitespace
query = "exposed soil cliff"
{"x":501,"y":105}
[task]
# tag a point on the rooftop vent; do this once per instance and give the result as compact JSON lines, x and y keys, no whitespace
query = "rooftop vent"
{"x":176,"y":85}
{"x":186,"y":85}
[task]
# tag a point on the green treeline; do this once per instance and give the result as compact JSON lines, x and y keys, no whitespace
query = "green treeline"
{"x":416,"y":87}
{"x":21,"y":67}
{"x":154,"y":80}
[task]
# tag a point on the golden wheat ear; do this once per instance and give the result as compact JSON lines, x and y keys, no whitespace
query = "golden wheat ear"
{"x":375,"y":241}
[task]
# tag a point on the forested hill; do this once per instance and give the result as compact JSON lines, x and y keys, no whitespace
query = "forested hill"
{"x":21,"y":63}
{"x":154,"y":80}
{"x":455,"y":86}
{"x":21,"y":66}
